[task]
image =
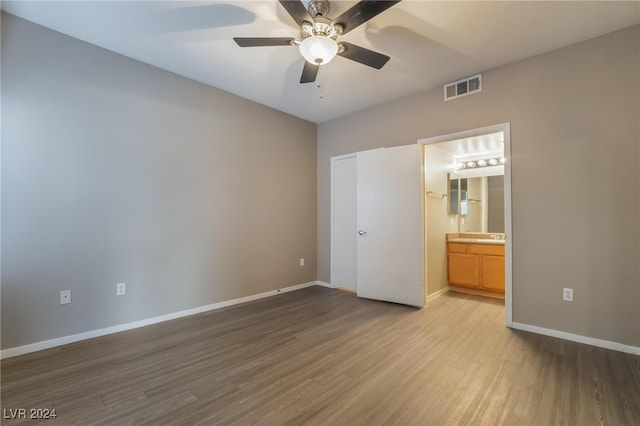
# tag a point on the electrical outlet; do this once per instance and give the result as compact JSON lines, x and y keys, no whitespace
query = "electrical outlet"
{"x":567,"y":294}
{"x":65,"y":297}
{"x":121,"y":289}
{"x":302,"y":261}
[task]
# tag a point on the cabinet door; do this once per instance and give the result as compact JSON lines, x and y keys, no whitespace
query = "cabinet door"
{"x":492,"y":276}
{"x":463,"y":269}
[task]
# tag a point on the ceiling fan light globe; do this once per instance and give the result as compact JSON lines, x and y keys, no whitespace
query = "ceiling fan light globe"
{"x":318,"y":50}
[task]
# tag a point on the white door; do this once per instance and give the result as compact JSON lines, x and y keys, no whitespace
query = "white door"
{"x":390,"y":226}
{"x":344,"y":226}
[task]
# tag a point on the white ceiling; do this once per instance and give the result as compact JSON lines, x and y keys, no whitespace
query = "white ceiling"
{"x":473,"y":148}
{"x":430,"y":43}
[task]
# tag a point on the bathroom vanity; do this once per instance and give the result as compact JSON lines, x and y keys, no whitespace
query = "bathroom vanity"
{"x":476,"y":263}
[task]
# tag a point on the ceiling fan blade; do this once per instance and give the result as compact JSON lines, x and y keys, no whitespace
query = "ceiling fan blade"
{"x":364,"y":56}
{"x":296,"y":9}
{"x":263,"y":41}
{"x":309,"y":73}
{"x":362,"y":12}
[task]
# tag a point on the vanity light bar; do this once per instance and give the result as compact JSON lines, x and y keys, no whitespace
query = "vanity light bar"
{"x":480,"y":163}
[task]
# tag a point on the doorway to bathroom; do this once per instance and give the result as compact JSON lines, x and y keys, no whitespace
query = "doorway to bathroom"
{"x":467,"y":207}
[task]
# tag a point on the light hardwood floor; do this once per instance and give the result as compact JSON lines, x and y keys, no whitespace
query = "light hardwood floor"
{"x":325,"y":357}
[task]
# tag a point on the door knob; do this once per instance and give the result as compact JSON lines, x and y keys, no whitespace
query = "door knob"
{"x":361,"y":232}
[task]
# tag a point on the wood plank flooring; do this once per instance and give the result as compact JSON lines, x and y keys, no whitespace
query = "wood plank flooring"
{"x":324,"y":357}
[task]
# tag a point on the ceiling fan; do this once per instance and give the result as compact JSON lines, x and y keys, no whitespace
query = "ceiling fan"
{"x":318,"y":34}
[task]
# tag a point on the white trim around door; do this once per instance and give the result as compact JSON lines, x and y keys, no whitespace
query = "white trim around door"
{"x":335,"y":239}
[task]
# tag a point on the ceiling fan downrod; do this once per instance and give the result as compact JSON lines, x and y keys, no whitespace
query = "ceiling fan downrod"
{"x":319,"y":8}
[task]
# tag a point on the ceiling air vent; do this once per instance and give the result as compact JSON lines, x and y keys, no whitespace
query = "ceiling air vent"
{"x":464,"y":87}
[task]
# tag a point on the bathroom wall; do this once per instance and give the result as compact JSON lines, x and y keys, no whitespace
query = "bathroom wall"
{"x":495,"y":204}
{"x":438,"y":163}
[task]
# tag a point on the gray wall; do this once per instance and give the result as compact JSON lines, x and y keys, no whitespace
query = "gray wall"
{"x":116,"y":171}
{"x":575,"y":130}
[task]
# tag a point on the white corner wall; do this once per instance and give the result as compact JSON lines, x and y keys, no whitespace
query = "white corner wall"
{"x":116,"y":171}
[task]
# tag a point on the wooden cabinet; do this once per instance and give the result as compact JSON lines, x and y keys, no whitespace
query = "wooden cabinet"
{"x":492,"y":276}
{"x":464,"y":269}
{"x":476,"y":268}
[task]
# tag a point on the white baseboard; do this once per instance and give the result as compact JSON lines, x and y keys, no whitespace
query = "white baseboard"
{"x":323,"y":284}
{"x":437,"y":294}
{"x":577,"y":338}
{"x":47,"y":344}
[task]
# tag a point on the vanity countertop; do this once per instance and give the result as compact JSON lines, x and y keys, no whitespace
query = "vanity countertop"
{"x":475,"y":238}
{"x":476,"y":241}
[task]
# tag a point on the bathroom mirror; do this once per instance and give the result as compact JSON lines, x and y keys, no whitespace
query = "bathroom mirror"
{"x":453,"y":184}
{"x":458,"y":199}
{"x":464,"y":196}
{"x":479,"y":201}
{"x":485,"y":205}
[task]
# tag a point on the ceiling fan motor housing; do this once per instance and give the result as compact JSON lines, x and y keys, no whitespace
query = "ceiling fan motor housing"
{"x":320,"y":27}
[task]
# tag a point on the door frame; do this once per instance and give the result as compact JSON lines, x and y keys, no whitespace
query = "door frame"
{"x":505,"y":128}
{"x":332,"y":237}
